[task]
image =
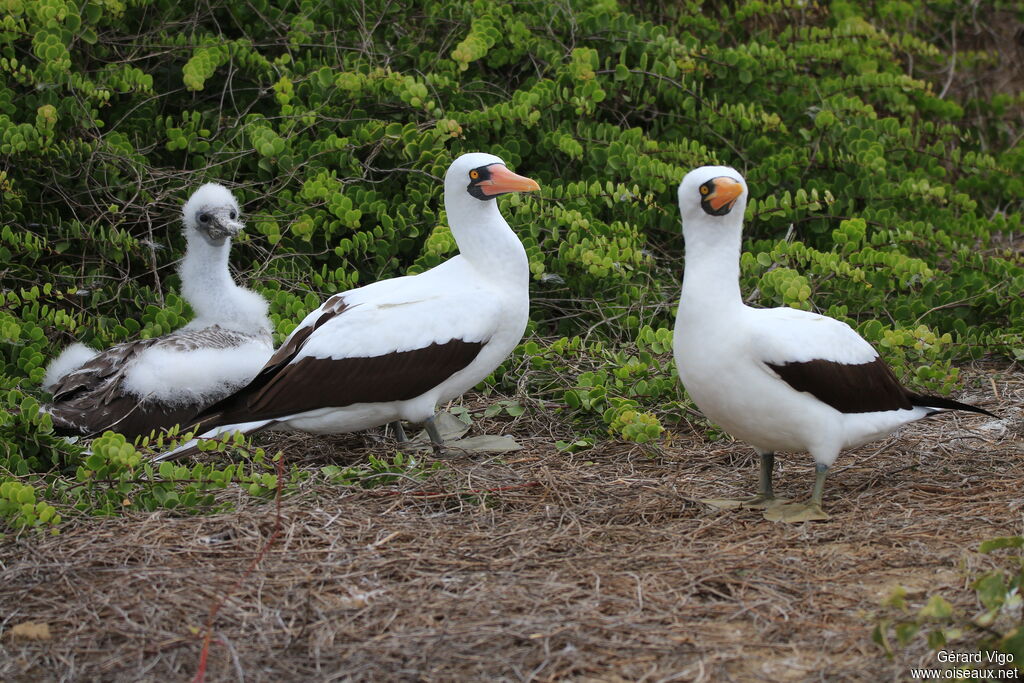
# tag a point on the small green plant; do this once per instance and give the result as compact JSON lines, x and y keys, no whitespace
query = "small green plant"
{"x":510,"y":408}
{"x":627,"y":389}
{"x":574,"y":446}
{"x":115,"y":476}
{"x":380,"y":471}
{"x":636,"y":426}
{"x":998,"y":627}
{"x":20,"y":509}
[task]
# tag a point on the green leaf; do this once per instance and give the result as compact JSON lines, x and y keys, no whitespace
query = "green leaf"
{"x":937,"y":607}
{"x":26,"y":495}
{"x":936,"y":639}
{"x":1012,"y":643}
{"x":905,"y":632}
{"x":166,"y":470}
{"x":1001,"y":542}
{"x":991,"y":589}
{"x":880,"y":636}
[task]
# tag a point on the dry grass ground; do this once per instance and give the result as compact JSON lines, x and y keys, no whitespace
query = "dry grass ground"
{"x":599,"y":566}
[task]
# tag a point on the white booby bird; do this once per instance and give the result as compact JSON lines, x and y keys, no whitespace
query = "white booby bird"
{"x":138,"y":386}
{"x":395,"y":349}
{"x":777,"y":378}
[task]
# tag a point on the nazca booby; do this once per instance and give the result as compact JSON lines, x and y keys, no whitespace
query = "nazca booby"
{"x":395,"y":349}
{"x":138,"y":386}
{"x":777,"y":378}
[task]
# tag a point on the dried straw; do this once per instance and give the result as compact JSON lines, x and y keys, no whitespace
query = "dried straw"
{"x":596,"y":566}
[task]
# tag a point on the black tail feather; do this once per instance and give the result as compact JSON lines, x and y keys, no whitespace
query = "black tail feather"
{"x":945,"y":403}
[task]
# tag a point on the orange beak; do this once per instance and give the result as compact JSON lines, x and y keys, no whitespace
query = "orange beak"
{"x":503,"y":180}
{"x":726,"y":192}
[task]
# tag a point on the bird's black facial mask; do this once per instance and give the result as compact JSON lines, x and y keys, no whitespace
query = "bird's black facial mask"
{"x":494,"y":179}
{"x":477,"y":178}
{"x":719,"y":195}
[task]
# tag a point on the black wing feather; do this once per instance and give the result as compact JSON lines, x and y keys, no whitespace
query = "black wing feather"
{"x":859,"y":388}
{"x":286,"y":387}
{"x":313,"y":383}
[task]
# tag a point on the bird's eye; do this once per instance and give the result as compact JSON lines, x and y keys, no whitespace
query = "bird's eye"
{"x":704,"y":189}
{"x":204,"y":217}
{"x":232,"y":214}
{"x":474,"y":174}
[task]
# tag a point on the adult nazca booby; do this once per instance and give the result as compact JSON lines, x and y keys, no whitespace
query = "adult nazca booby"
{"x":395,"y":349}
{"x":138,"y":386}
{"x":777,"y":378}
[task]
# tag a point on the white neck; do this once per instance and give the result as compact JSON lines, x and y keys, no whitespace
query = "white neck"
{"x":485,"y":240}
{"x":207,"y":285}
{"x":711,"y":279}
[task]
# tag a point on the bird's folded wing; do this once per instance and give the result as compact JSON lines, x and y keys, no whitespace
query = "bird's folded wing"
{"x":388,"y":349}
{"x":827,"y":359}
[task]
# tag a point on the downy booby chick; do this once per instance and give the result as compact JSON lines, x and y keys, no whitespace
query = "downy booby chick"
{"x":777,"y":378}
{"x":138,"y":386}
{"x":395,"y":349}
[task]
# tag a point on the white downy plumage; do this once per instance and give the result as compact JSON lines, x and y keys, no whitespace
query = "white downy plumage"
{"x":71,"y":358}
{"x":395,"y":349}
{"x":136,"y":387}
{"x":778,"y":378}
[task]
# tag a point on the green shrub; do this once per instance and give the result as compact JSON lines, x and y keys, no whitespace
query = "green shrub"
{"x":380,"y":471}
{"x":874,"y":198}
{"x":998,"y":627}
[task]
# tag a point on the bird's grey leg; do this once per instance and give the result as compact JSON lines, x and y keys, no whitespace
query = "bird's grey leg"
{"x":803,"y":512}
{"x":767,"y":465}
{"x":399,"y":431}
{"x":765,"y":497}
{"x":820,"y":472}
{"x":435,"y":436}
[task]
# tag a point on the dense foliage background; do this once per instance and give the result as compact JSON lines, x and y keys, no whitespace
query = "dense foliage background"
{"x":887,"y":180}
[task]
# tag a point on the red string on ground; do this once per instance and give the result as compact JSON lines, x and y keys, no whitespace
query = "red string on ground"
{"x":466,"y":492}
{"x":200,"y":676}
{"x":204,"y":654}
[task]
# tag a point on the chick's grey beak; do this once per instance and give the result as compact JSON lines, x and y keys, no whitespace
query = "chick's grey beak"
{"x":217,"y":225}
{"x":227,"y":226}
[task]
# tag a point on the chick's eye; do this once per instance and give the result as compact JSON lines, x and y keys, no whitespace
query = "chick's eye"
{"x":474,"y":174}
{"x":232,"y":214}
{"x":203,"y":217}
{"x":704,"y":189}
